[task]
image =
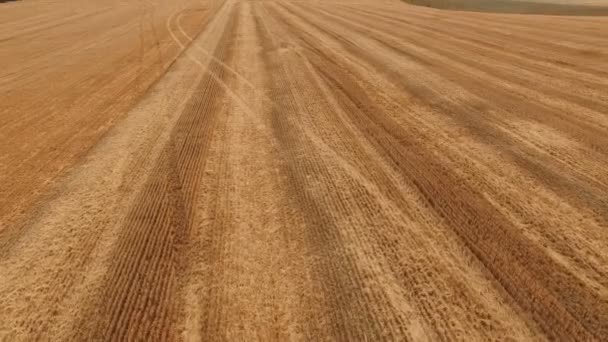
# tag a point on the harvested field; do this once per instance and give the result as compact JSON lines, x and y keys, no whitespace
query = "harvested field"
{"x":301,"y":170}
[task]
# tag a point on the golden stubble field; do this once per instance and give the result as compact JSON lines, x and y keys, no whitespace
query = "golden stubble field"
{"x":301,"y":170}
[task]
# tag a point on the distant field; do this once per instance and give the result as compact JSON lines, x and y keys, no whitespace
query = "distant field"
{"x":572,"y":2}
{"x":555,"y":7}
